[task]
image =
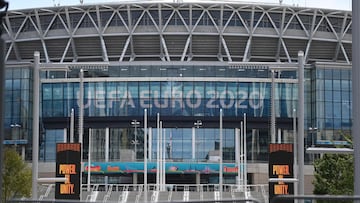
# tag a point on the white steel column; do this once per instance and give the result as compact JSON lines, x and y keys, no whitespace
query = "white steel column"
{"x":145,"y":155}
{"x":355,"y":92}
{"x":237,"y":156}
{"x":81,"y":121}
{"x":150,"y":143}
{"x":245,"y":152}
{"x":273,"y":122}
{"x":197,"y":124}
{"x":107,"y":144}
{"x":193,"y":145}
{"x":242,"y":153}
{"x":65,"y":135}
{"x":81,"y":107}
{"x":295,"y":153}
{"x":161,"y":161}
{"x":279,"y":136}
{"x":221,"y":154}
{"x":158,"y":153}
{"x":35,"y":138}
{"x":89,"y":162}
{"x":72,"y":121}
{"x":107,"y":150}
{"x":164,"y":158}
{"x":301,"y":122}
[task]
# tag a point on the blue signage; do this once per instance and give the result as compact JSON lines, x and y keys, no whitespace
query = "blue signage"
{"x":15,"y":142}
{"x":171,"y":98}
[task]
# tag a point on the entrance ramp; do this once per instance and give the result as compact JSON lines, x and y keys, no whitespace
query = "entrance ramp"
{"x":226,"y":196}
{"x":48,"y":192}
{"x":132,"y":196}
{"x":210,"y":196}
{"x":194,"y":196}
{"x":177,"y":196}
{"x":155,"y":196}
{"x":163,"y":196}
{"x":123,"y":197}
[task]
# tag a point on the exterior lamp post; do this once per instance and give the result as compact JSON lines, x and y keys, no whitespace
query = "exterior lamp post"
{"x":197,"y":124}
{"x":299,"y":67}
{"x":35,"y":134}
{"x":36,"y":101}
{"x":312,"y":130}
{"x":17,"y":128}
{"x":135,"y":142}
{"x":4,"y":5}
{"x":355,"y":94}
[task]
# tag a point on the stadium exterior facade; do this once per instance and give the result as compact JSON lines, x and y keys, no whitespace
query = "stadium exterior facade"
{"x":183,"y":62}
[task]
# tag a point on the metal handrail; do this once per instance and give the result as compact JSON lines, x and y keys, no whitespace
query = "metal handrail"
{"x":335,"y":198}
{"x":197,"y":201}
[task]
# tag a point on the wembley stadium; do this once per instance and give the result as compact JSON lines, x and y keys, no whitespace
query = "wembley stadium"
{"x":199,"y":83}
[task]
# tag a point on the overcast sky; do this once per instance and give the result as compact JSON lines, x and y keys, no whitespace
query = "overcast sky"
{"x":333,"y":4}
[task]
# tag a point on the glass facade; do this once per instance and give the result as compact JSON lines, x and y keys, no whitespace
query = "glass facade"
{"x":18,"y":107}
{"x":178,"y":144}
{"x":112,"y":102}
{"x":331,"y":93}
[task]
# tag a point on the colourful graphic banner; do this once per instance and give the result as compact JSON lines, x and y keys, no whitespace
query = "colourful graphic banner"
{"x":170,"y":167}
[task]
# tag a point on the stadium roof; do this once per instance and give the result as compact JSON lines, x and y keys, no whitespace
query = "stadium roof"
{"x":152,"y":31}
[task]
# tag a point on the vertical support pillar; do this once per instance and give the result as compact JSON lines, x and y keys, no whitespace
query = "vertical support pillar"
{"x":107,"y":149}
{"x":242,"y":153}
{"x":81,"y":107}
{"x":72,"y":124}
{"x":295,"y":153}
{"x":65,"y":135}
{"x":198,"y":181}
{"x":81,"y":121}
{"x":145,"y":155}
{"x":89,"y":162}
{"x":163,"y":169}
{"x":245,"y":153}
{"x":237,"y":156}
{"x":23,"y":152}
{"x":158,"y":153}
{"x":221,"y":154}
{"x":161,"y":161}
{"x":279,"y":139}
{"x":301,"y":121}
{"x":135,"y":178}
{"x":355,"y":92}
{"x":150,"y":143}
{"x":193,"y":144}
{"x":273,"y":127}
{"x":2,"y":106}
{"x":35,"y":138}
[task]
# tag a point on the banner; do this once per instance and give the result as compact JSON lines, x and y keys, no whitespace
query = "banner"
{"x":281,"y":164}
{"x":68,"y":165}
{"x":107,"y":168}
